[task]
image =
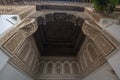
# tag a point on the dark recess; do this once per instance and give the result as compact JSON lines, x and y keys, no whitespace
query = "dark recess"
{"x":59,"y":34}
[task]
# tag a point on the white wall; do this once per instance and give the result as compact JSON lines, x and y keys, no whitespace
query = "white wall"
{"x":114,"y":31}
{"x":114,"y":61}
{"x":8,"y":72}
{"x":11,"y":73}
{"x":3,"y":59}
{"x":103,"y":73}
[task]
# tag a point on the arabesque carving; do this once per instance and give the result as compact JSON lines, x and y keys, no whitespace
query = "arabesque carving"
{"x":29,"y":27}
{"x":105,"y":45}
{"x":89,"y":60}
{"x":24,"y":31}
{"x":94,"y":32}
{"x":12,"y":44}
{"x":90,"y":29}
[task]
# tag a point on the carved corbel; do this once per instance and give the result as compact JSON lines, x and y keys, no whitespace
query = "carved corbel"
{"x":90,"y":30}
{"x":29,"y":28}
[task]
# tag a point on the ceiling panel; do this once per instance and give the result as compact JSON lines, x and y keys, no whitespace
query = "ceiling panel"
{"x":59,"y":36}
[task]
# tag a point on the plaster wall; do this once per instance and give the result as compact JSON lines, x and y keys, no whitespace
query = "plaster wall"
{"x":114,"y":61}
{"x":102,"y":73}
{"x":10,"y":73}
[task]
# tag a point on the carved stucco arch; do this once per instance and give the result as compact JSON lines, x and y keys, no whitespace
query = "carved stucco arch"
{"x":44,"y":66}
{"x":47,"y":67}
{"x":77,"y":67}
{"x":69,"y":67}
{"x":60,"y":66}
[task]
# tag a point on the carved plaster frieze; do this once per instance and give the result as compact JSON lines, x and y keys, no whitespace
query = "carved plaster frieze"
{"x":58,"y":77}
{"x":22,"y":11}
{"x":57,"y":68}
{"x":58,"y":58}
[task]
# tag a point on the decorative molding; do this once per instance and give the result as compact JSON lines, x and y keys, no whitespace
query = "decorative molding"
{"x":21,"y":65}
{"x":29,"y":27}
{"x":87,"y":61}
{"x":91,"y":29}
{"x":106,"y":46}
{"x":58,"y":58}
{"x":18,"y":60}
{"x":14,"y":43}
{"x":58,"y":77}
{"x":58,"y":67}
{"x":95,"y":33}
{"x":25,"y":30}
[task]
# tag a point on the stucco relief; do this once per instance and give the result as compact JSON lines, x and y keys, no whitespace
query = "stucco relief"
{"x":22,"y":53}
{"x":32,"y":62}
{"x":55,"y":68}
{"x":26,"y":59}
{"x":105,"y":45}
{"x":49,"y":67}
{"x":96,"y":34}
{"x":16,"y":62}
{"x":75,"y":68}
{"x":92,"y":51}
{"x":25,"y":30}
{"x":42,"y":68}
{"x":28,"y":27}
{"x":58,"y":67}
{"x":90,"y":58}
{"x":66,"y":68}
{"x":12,"y":44}
{"x":19,"y":48}
{"x":90,"y":30}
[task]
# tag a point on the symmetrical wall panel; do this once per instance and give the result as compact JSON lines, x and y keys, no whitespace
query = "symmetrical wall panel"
{"x":89,"y":57}
{"x":52,"y":68}
{"x":21,"y":47}
{"x":14,"y":42}
{"x":27,"y":57}
{"x":95,"y":33}
{"x":105,"y":45}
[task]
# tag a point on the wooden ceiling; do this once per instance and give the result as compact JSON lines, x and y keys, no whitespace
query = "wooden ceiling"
{"x":59,"y":34}
{"x":59,"y":7}
{"x":35,"y":2}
